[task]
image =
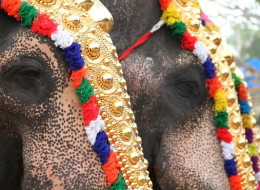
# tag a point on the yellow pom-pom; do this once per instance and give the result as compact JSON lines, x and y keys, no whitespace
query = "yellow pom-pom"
{"x":171,"y":15}
{"x":252,"y":149}
{"x":220,"y":99}
{"x":170,"y":21}
{"x":247,"y":123}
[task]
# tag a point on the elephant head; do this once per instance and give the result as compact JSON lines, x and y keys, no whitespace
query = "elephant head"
{"x":170,"y":101}
{"x":43,"y":139}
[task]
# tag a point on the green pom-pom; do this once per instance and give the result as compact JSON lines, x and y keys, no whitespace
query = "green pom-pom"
{"x":178,"y":29}
{"x":119,"y":184}
{"x":84,"y":91}
{"x":236,"y":79}
{"x":221,"y":120}
{"x":28,"y":13}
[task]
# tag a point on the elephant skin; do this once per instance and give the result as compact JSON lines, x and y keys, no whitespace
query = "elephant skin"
{"x":43,"y":143}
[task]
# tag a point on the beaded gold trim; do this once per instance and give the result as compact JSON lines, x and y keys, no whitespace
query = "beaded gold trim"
{"x":79,"y":18}
{"x":225,"y":65}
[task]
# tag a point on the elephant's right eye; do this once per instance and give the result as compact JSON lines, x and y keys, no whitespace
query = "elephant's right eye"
{"x":184,"y":90}
{"x":187,"y":89}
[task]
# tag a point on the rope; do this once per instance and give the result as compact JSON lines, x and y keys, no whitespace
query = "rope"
{"x":141,"y":40}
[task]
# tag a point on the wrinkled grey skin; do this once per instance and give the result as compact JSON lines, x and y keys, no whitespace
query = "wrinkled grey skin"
{"x":42,"y":139}
{"x":168,"y":95}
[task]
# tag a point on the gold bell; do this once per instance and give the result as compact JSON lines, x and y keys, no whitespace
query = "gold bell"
{"x":241,"y":143}
{"x":229,"y":58}
{"x":107,"y":80}
{"x":118,"y":107}
{"x":133,"y":157}
{"x":235,"y":122}
{"x":94,"y":49}
{"x":73,"y":21}
{"x":231,"y":99}
{"x":216,"y":38}
{"x":141,"y":180}
{"x":126,"y":133}
{"x":246,"y":161}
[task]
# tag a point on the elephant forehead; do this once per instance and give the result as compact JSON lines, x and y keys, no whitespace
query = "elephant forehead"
{"x":152,"y":70}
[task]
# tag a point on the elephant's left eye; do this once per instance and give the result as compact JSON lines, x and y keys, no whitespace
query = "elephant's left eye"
{"x":26,"y":77}
{"x":27,"y":80}
{"x":25,"y":73}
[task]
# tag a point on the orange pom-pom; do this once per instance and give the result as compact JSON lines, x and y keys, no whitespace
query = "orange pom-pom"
{"x":44,"y":25}
{"x":111,"y":168}
{"x":12,"y":8}
{"x":213,"y":85}
{"x":77,"y":76}
{"x":235,"y":182}
{"x":242,"y":92}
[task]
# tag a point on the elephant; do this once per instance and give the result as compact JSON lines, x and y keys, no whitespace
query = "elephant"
{"x":43,"y":140}
{"x":43,"y":144}
{"x":168,"y":94}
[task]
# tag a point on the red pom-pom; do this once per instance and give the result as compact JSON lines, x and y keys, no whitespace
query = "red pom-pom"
{"x":242,"y":92}
{"x":224,"y":135}
{"x":164,"y":4}
{"x":188,"y":41}
{"x":111,"y":168}
{"x":12,"y":8}
{"x":90,"y":110}
{"x":44,"y":25}
{"x":235,"y":182}
{"x":77,"y":77}
{"x":213,"y":85}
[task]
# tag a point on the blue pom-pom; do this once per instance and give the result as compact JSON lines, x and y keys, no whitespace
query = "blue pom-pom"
{"x":230,"y":167}
{"x":244,"y":106}
{"x":72,"y":55}
{"x":102,"y":147}
{"x":209,"y":69}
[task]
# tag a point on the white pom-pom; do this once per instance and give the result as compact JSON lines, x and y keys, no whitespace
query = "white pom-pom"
{"x":94,"y":128}
{"x":62,"y":38}
{"x":200,"y":51}
{"x":228,"y":150}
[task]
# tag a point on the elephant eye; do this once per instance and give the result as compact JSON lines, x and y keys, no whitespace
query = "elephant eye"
{"x":187,"y":89}
{"x":27,"y":80}
{"x":25,"y":77}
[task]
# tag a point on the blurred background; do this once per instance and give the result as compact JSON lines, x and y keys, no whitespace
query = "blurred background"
{"x":239,"y":23}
